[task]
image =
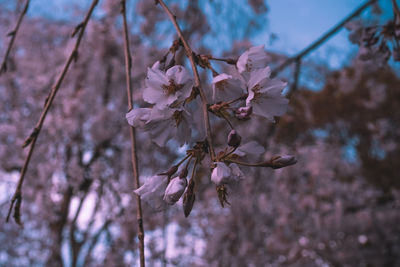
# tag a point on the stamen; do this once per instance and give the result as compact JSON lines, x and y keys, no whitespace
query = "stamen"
{"x":171,"y":88}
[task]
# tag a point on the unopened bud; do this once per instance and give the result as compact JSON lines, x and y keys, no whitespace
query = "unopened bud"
{"x":175,"y":190}
{"x":188,"y":198}
{"x":183,"y":173}
{"x":243,"y":113}
{"x":283,"y":161}
{"x":234,"y":139}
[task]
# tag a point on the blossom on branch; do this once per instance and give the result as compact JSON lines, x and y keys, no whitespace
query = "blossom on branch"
{"x":152,"y":191}
{"x":167,"y":89}
{"x":175,"y":190}
{"x":265,"y":94}
{"x":162,"y":125}
{"x":224,"y":174}
{"x":254,"y":58}
{"x":226,"y":87}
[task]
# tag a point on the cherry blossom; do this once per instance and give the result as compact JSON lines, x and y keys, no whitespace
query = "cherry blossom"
{"x":168,"y":89}
{"x":152,"y":191}
{"x":254,"y":58}
{"x":225,"y":87}
{"x":162,"y":125}
{"x":265,"y":94}
{"x":224,"y":174}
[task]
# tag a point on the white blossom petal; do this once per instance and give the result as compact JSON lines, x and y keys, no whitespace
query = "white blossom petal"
{"x":269,"y":107}
{"x":254,"y":58}
{"x":258,"y":77}
{"x":152,"y":191}
{"x":226,"y":88}
{"x":251,"y":148}
{"x":223,"y":174}
{"x":138,"y":117}
{"x":167,"y":89}
{"x":265,"y":94}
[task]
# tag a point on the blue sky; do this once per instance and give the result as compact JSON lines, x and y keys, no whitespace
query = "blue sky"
{"x":298,"y":23}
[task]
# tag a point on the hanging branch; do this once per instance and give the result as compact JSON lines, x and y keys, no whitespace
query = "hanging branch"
{"x":322,"y":39}
{"x":396,"y":9}
{"x":13,"y":34}
{"x":189,"y":54}
{"x":295,"y":84}
{"x":31,"y":140}
{"x":128,"y":67}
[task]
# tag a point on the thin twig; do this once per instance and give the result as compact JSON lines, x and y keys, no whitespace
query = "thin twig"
{"x":396,"y":9}
{"x":295,"y":84}
{"x":31,"y":140}
{"x":13,"y":34}
{"x":189,"y":54}
{"x":128,"y":67}
{"x":322,"y":39}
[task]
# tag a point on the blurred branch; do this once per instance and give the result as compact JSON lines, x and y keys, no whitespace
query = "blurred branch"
{"x":95,"y":239}
{"x":128,"y":68}
{"x":295,"y":84}
{"x":322,"y":39}
{"x":31,"y":140}
{"x":13,"y":34}
{"x":189,"y":54}
{"x":396,"y":9}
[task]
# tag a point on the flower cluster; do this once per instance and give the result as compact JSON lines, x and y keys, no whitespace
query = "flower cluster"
{"x":375,"y":40}
{"x":248,"y":91}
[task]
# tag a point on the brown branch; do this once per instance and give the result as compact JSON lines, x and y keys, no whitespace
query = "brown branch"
{"x":295,"y":84}
{"x":13,"y":35}
{"x":396,"y":9}
{"x":31,"y":140}
{"x":128,"y":68}
{"x":189,"y":54}
{"x":322,"y":39}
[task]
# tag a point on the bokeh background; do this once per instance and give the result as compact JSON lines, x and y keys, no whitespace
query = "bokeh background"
{"x":338,"y":206}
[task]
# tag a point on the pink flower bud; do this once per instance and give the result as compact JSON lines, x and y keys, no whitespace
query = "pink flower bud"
{"x":234,"y":139}
{"x":283,"y":161}
{"x":175,"y":190}
{"x":188,"y":198}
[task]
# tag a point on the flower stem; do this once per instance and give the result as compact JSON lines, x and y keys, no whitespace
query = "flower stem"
{"x":31,"y":140}
{"x":258,"y":164}
{"x":189,"y":54}
{"x":13,"y":35}
{"x":134,"y":158}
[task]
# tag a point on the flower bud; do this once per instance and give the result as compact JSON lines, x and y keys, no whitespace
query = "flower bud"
{"x":243,"y":113}
{"x":223,"y":174}
{"x":283,"y":161}
{"x":183,"y":173}
{"x":234,"y":139}
{"x":175,"y":190}
{"x":188,"y":199}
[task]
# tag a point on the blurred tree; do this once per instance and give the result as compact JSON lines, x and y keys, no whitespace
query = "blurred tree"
{"x":78,"y":210}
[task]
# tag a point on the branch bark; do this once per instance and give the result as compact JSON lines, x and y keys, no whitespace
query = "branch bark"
{"x":128,"y":68}
{"x":31,"y":140}
{"x":13,"y":35}
{"x":189,"y":54}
